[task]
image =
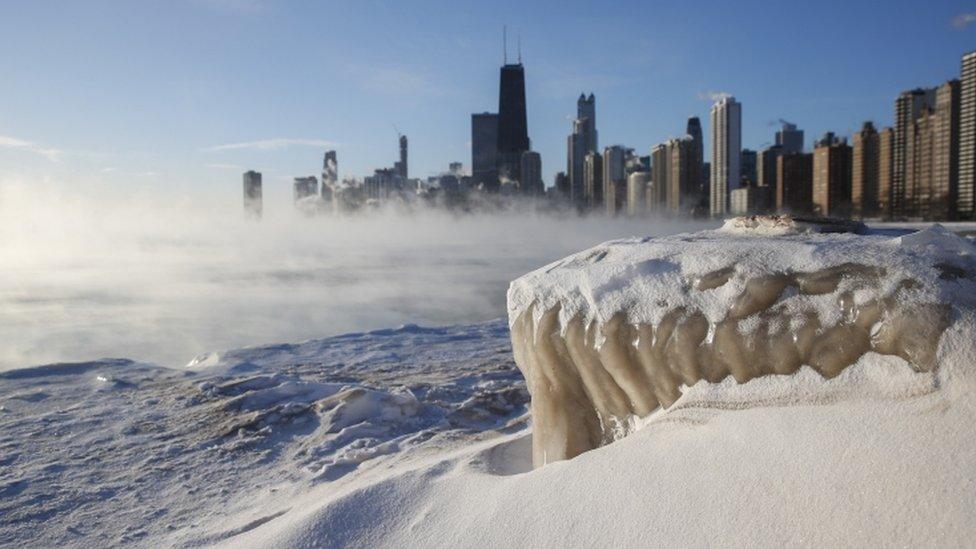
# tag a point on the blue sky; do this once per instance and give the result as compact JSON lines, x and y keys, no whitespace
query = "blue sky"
{"x":193,"y":92}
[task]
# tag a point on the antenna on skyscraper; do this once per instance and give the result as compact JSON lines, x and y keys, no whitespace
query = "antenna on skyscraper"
{"x":520,"y":48}
{"x":505,"y":44}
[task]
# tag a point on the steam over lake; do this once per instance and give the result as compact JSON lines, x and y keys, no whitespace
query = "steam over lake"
{"x":163,"y":280}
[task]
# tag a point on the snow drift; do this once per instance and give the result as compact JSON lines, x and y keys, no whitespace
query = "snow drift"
{"x":609,"y":335}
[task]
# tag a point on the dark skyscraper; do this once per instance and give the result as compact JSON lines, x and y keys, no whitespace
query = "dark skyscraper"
{"x":748,"y":173}
{"x":789,"y":138}
{"x":694,"y":130}
{"x":330,"y":175}
{"x":794,"y":183}
{"x":484,"y":150}
{"x":583,"y":140}
{"x":513,"y":132}
{"x":305,"y":187}
{"x":401,"y":166}
{"x":253,"y":200}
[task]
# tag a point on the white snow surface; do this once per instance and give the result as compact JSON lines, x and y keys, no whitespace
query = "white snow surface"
{"x":649,"y":277}
{"x":420,"y":437}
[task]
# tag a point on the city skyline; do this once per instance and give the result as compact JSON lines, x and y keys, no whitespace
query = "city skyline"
{"x":235,"y":133}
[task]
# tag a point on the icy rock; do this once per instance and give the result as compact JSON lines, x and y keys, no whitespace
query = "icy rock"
{"x":609,"y":335}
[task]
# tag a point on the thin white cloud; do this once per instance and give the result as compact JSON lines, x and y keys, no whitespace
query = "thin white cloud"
{"x":713,"y":96}
{"x":963,"y":20}
{"x":219,"y":166}
{"x":117,"y":171}
{"x":52,"y":154}
{"x":275,"y":144}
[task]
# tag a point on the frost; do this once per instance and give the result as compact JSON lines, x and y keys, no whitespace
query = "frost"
{"x":603,"y":343}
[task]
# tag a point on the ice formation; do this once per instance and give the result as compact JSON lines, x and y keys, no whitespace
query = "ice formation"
{"x":609,"y":335}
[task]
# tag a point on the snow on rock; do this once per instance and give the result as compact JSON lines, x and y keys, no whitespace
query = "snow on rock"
{"x":770,"y":225}
{"x":611,"y":334}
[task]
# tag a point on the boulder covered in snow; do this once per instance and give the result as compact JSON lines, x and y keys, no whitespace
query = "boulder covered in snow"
{"x":614,"y":333}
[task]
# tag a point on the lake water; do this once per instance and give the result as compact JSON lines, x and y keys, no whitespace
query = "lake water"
{"x":163,"y":283}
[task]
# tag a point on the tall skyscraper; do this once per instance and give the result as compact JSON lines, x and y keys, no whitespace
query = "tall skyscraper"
{"x":330,"y":178}
{"x":794,"y":183}
{"x":513,"y":132}
{"x":789,"y":138}
{"x":593,"y":181}
{"x":766,"y":166}
{"x":943,"y":196}
{"x":864,"y":171}
{"x":931,"y":158}
{"x":694,"y":130}
{"x":583,"y":140}
{"x":748,"y":173}
{"x":401,"y":165}
{"x":726,"y":152}
{"x":637,"y":187}
{"x":683,"y":175}
{"x":484,"y":150}
{"x":562,"y":185}
{"x":305,"y":187}
{"x":908,"y":107}
{"x":966,"y":195}
{"x":253,"y":199}
{"x":657,"y":199}
{"x":886,"y":169}
{"x":615,"y":179}
{"x":531,"y":170}
{"x":832,"y":177}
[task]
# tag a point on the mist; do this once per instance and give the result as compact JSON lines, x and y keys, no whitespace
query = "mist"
{"x":163,"y":276}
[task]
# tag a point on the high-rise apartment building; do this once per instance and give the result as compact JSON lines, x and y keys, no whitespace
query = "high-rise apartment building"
{"x":531,"y":169}
{"x":484,"y":150}
{"x":865,"y":163}
{"x":886,"y":171}
{"x":794,"y":183}
{"x":683,"y":175}
{"x":592,"y":181}
{"x":932,"y":158}
{"x":966,"y":193}
{"x":766,"y":166}
{"x":748,"y":172}
{"x":789,"y":138}
{"x":726,"y":135}
{"x":253,"y":199}
{"x":908,"y":107}
{"x":943,"y":199}
{"x":615,"y":178}
{"x":832,"y":177}
{"x":657,"y":198}
{"x":305,"y":187}
{"x":637,"y":188}
{"x":562,"y":185}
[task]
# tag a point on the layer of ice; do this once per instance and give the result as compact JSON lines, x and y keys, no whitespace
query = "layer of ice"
{"x":609,"y":335}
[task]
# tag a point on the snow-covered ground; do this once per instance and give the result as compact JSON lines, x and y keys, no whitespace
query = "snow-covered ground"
{"x":422,"y":437}
{"x":115,"y":452}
